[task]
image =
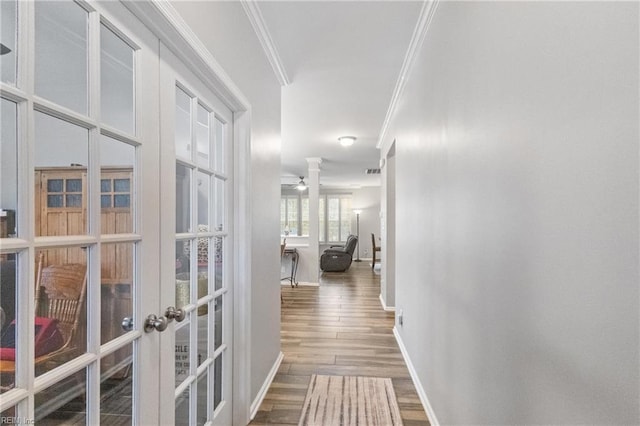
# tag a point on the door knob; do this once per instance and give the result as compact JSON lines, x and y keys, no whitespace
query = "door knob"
{"x":174,"y":314}
{"x":155,"y":323}
{"x":127,"y":323}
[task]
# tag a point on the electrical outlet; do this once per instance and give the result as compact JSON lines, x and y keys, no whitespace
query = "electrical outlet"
{"x":366,"y":252}
{"x":400,"y":318}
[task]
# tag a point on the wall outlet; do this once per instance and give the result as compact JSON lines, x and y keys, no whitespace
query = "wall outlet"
{"x":400,"y":318}
{"x":366,"y":252}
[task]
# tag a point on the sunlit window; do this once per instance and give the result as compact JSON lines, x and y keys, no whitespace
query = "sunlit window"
{"x":334,"y":212}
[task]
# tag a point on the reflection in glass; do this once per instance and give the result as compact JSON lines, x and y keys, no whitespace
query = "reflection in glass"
{"x":183,"y":274}
{"x":219,"y":219}
{"x":183,"y":198}
{"x":116,"y":387}
{"x":182,"y":351}
{"x":217,"y":341}
{"x":203,"y":391}
{"x":182,"y":409}
{"x":204,"y":187}
{"x":220,"y":142}
{"x":8,"y":308}
{"x":116,"y":279}
{"x":116,"y":73}
{"x":61,"y":54}
{"x":203,"y":337}
{"x":61,"y":156}
{"x":183,"y":124}
{"x":9,"y":165}
{"x":8,"y":16}
{"x":203,"y":136}
{"x":218,"y":263}
{"x":117,"y":160}
{"x":60,"y":316}
{"x":63,"y":403}
{"x":217,"y":381}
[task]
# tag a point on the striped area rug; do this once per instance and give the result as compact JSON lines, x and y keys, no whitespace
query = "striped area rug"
{"x":350,"y":401}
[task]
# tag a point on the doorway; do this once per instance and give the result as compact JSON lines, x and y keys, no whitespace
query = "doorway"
{"x":94,"y":250}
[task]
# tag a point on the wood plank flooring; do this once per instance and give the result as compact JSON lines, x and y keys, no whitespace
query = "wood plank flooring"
{"x":338,"y":328}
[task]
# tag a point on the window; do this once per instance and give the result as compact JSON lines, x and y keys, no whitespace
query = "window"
{"x":334,"y":215}
{"x":290,"y":216}
{"x":338,"y":218}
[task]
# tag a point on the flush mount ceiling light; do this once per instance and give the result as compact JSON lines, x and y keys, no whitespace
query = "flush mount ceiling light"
{"x":301,"y":185}
{"x":346,"y":140}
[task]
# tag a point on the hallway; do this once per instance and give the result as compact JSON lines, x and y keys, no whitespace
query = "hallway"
{"x":339,"y":328}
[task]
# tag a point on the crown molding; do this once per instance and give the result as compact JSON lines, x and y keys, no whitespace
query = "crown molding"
{"x":167,"y":24}
{"x":419,"y":33}
{"x":262,"y":31}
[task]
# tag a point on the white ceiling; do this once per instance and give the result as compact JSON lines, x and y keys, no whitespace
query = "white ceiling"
{"x":343,"y":59}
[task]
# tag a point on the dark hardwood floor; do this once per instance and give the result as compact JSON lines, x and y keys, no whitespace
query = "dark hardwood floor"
{"x":338,"y":328}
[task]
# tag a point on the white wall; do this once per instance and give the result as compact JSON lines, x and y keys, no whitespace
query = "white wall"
{"x":388,"y":249}
{"x":517,"y":204}
{"x":366,"y":199}
{"x":225,"y":30}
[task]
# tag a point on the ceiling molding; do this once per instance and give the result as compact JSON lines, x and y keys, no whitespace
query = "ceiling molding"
{"x":419,"y":33}
{"x":262,"y":31}
{"x":167,"y":24}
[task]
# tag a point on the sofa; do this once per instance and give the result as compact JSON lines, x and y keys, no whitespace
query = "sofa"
{"x":338,"y":258}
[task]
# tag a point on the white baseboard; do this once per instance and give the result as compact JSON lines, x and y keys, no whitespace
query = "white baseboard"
{"x":255,"y":405}
{"x":300,"y":284}
{"x":431,"y":415}
{"x":385,"y":307}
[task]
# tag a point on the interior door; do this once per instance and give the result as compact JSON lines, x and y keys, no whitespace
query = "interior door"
{"x":80,"y":209}
{"x":197,"y":223}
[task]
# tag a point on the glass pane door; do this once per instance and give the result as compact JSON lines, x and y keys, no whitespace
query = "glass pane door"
{"x":198,"y":139}
{"x":75,"y":258}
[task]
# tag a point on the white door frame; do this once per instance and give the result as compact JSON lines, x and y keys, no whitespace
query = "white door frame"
{"x":165,"y":22}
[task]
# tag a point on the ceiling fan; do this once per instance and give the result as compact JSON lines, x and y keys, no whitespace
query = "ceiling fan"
{"x":301,"y":186}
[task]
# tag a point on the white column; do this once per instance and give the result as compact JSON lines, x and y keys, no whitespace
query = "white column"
{"x":314,"y":218}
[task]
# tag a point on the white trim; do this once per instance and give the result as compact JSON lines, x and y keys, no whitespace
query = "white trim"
{"x":262,"y":32}
{"x":385,"y":307}
{"x":419,"y":33}
{"x":431,"y":415}
{"x":167,"y":24}
{"x":242,"y":262}
{"x":286,"y":283}
{"x":255,"y":405}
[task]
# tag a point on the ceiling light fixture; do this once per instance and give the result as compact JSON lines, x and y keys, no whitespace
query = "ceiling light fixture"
{"x":346,"y":140}
{"x":301,"y":185}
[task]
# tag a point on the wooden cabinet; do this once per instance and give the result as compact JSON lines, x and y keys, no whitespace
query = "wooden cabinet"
{"x":61,"y":209}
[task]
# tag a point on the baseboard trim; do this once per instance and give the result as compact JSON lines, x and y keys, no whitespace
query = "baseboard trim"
{"x":431,"y":415}
{"x":300,"y":284}
{"x":385,"y":307}
{"x":255,"y":405}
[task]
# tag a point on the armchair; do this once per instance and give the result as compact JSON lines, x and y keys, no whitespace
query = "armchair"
{"x":338,"y":258}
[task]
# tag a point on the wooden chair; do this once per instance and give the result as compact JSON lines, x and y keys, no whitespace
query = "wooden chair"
{"x":60,"y":294}
{"x":374,"y":249}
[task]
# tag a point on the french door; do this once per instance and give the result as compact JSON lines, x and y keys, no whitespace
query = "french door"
{"x":196,"y":161}
{"x":94,"y":247}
